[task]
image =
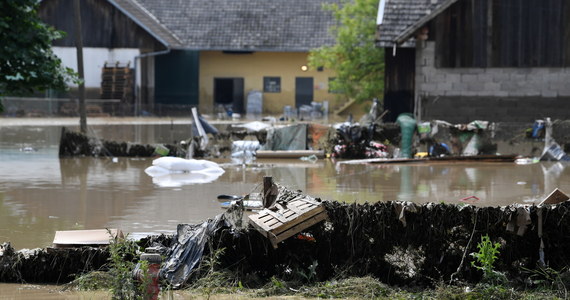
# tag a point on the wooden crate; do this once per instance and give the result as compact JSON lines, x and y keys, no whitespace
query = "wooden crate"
{"x":288,"y":219}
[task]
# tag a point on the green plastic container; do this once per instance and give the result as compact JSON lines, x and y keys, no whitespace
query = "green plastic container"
{"x":407,"y":127}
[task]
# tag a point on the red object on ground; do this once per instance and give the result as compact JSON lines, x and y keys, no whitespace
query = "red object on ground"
{"x":470,"y":199}
{"x":154,"y":260}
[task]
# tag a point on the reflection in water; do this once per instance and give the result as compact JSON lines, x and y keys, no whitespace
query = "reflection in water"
{"x":406,"y":186}
{"x":176,"y":171}
{"x":40,"y":193}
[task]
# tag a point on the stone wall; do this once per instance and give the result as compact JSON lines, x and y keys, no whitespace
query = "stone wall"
{"x":460,"y":95}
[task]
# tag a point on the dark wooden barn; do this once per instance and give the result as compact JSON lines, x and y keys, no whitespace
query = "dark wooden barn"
{"x":462,"y":60}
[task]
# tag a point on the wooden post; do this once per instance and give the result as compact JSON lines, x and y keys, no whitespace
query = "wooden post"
{"x":81,"y":87}
{"x":267,"y":197}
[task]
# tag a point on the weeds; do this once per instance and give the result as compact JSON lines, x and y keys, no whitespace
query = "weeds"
{"x":122,"y":255}
{"x":354,"y":287}
{"x":549,"y":279}
{"x":485,"y":259}
{"x":92,"y":281}
{"x":310,"y":275}
{"x":211,"y":279}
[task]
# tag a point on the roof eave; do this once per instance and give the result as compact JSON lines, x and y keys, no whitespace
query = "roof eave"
{"x":406,"y":34}
{"x":143,"y":26}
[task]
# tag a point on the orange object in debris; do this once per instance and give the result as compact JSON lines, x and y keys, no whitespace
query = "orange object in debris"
{"x":306,"y":237}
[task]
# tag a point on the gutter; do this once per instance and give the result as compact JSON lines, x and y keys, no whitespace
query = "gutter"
{"x":138,"y":100}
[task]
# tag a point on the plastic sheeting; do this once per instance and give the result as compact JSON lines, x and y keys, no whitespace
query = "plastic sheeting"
{"x":292,"y":137}
{"x":254,"y":104}
{"x":186,"y":252}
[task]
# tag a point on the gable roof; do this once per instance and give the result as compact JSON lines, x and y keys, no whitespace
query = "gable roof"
{"x":241,"y":25}
{"x":147,"y":21}
{"x":401,"y":19}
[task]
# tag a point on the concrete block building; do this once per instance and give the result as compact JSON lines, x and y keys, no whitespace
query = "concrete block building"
{"x":464,"y":60}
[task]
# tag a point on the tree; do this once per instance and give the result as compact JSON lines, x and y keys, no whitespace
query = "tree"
{"x":358,"y":63}
{"x":27,"y":62}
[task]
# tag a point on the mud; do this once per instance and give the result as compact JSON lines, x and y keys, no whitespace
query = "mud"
{"x":424,"y":245}
{"x":48,"y":265}
{"x":428,"y":247}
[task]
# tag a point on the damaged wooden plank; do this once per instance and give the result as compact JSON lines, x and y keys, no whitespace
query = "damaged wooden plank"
{"x":557,"y":196}
{"x":286,"y":219}
{"x":299,"y":227}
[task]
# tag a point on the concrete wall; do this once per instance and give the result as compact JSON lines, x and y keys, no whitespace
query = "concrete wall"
{"x":252,"y":68}
{"x":495,"y":94}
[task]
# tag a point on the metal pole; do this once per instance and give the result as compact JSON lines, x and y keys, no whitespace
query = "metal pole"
{"x":81,"y":87}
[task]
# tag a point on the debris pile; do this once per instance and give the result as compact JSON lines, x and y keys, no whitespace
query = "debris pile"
{"x":77,"y":144}
{"x":403,"y":243}
{"x":49,"y":265}
{"x":396,"y":242}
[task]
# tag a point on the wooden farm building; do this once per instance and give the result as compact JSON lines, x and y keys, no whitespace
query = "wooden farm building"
{"x":464,"y":60}
{"x":183,"y":53}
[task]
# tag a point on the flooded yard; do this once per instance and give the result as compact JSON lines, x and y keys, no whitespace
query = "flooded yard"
{"x":40,"y":193}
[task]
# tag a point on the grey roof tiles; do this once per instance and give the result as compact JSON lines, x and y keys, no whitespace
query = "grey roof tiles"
{"x":401,"y":15}
{"x":238,"y":25}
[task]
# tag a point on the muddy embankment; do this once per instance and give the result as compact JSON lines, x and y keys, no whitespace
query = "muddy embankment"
{"x":77,"y":144}
{"x":398,"y":243}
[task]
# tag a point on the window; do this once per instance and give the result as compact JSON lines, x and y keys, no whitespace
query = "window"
{"x":272,"y":84}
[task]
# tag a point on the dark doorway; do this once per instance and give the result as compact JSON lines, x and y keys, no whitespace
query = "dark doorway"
{"x":400,"y":73}
{"x":303,"y":91}
{"x":229,"y":92}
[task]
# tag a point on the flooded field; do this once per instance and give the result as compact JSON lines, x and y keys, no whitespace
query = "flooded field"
{"x":40,"y":193}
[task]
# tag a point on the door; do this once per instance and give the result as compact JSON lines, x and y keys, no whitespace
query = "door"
{"x":229,"y":93}
{"x":176,"y":78}
{"x":303,"y":91}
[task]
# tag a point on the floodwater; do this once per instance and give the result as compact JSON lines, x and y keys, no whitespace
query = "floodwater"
{"x":40,"y":193}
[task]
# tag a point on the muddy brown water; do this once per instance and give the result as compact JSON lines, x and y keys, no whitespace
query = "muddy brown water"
{"x":40,"y":193}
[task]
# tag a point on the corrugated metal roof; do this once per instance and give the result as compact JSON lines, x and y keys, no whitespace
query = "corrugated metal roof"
{"x":403,"y":17}
{"x":238,"y":25}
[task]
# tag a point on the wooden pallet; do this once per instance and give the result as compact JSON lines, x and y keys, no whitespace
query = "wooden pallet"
{"x":116,"y":82}
{"x":288,"y":219}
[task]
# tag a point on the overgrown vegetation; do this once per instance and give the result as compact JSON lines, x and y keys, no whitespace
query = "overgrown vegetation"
{"x":122,"y":255}
{"x":357,"y":62}
{"x":211,"y":280}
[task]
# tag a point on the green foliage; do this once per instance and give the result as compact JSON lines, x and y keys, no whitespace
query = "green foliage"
{"x":121,"y":265}
{"x":354,"y":287}
{"x":212,"y":280}
{"x":311,"y":273}
{"x":27,"y":62}
{"x":485,"y":259}
{"x":358,"y":63}
{"x":91,"y":281}
{"x":277,"y":283}
{"x":549,"y":279}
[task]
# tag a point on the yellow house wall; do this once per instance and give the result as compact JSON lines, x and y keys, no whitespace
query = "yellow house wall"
{"x":252,"y":68}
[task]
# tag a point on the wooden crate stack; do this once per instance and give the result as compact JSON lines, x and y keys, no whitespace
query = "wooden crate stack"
{"x":116,"y":81}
